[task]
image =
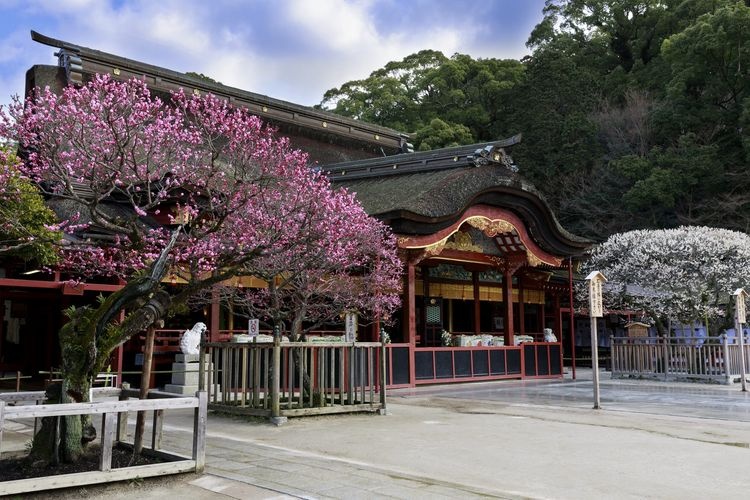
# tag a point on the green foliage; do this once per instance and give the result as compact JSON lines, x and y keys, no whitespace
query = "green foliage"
{"x":464,"y":94}
{"x":24,"y":218}
{"x":634,"y":113}
{"x":439,"y":134}
{"x":710,"y":74}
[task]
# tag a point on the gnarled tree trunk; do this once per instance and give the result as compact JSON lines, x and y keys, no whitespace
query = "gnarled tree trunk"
{"x":87,"y":342}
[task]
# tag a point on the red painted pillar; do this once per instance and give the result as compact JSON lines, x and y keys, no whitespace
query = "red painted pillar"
{"x":508,"y":299}
{"x":572,"y":318}
{"x":521,"y":312}
{"x":558,"y":316}
{"x":477,"y":303}
{"x":411,"y":327}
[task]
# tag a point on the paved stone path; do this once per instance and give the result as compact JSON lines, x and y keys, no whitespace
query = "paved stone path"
{"x":531,"y":439}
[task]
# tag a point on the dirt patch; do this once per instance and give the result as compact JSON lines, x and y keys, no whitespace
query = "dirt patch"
{"x":24,"y":467}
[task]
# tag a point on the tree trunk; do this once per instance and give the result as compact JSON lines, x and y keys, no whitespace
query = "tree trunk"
{"x":63,"y":439}
{"x":86,"y":343}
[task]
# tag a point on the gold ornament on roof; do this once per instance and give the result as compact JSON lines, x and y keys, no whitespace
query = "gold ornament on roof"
{"x":462,"y":241}
{"x":532,"y":259}
{"x":490,"y":228}
{"x":434,"y":249}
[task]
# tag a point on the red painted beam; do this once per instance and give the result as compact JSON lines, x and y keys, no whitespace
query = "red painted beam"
{"x":20,"y":283}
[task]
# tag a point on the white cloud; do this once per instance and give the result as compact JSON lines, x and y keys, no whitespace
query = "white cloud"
{"x":294,"y":50}
{"x":342,"y":26}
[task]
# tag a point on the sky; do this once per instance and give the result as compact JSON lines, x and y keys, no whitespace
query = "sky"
{"x":292,"y":50}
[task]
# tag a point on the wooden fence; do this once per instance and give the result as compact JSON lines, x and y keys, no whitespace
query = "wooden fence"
{"x":279,"y":380}
{"x":113,"y":431}
{"x":678,"y":358}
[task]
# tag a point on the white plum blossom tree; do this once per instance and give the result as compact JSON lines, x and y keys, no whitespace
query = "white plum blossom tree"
{"x":686,"y":274}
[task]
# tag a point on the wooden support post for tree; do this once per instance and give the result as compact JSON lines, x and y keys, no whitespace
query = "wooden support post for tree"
{"x":148,"y":356}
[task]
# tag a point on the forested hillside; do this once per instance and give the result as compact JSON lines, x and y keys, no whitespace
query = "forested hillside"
{"x":634,"y":113}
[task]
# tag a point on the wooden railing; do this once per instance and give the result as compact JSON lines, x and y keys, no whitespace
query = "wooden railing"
{"x":673,"y":358}
{"x":113,"y":431}
{"x":279,"y":380}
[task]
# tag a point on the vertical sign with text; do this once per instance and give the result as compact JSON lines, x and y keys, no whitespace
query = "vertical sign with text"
{"x":351,"y":327}
{"x":253,"y":327}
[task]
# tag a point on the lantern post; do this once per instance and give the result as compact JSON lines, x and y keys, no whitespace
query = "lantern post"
{"x":739,"y":320}
{"x":595,"y":280}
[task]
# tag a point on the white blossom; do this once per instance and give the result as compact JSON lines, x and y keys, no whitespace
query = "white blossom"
{"x":685,"y":273}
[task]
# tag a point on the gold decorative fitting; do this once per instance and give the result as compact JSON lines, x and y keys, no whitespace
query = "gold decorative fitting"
{"x":462,"y":241}
{"x":434,"y":249}
{"x":532,"y":259}
{"x":116,"y":71}
{"x":377,"y":137}
{"x":196,"y":92}
{"x":395,"y":167}
{"x":325,"y":125}
{"x":490,"y":228}
{"x":455,"y":158}
{"x":265,"y":109}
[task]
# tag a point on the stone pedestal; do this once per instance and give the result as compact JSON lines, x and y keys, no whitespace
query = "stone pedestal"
{"x":185,"y":373}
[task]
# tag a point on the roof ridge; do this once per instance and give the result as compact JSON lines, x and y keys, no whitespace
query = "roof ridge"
{"x":478,"y":154}
{"x":326,"y":119}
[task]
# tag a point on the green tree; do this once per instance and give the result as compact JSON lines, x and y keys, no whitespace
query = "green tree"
{"x":654,"y":93}
{"x":25,"y":220}
{"x":709,"y":82}
{"x":465,"y":94}
{"x":390,"y":96}
{"x":440,"y":134}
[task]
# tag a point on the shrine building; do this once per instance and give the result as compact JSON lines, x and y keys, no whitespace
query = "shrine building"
{"x":487,"y":266}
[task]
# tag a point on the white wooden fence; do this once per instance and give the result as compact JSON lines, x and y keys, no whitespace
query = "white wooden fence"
{"x":677,"y":358}
{"x":113,"y":431}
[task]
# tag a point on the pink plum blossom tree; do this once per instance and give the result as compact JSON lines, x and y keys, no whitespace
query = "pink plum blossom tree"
{"x":344,"y":263}
{"x":193,"y":187}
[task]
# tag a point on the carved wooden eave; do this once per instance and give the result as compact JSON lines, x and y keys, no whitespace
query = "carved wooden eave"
{"x":492,"y":221}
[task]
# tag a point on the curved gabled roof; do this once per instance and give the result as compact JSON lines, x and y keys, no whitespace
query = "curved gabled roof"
{"x":423,"y":193}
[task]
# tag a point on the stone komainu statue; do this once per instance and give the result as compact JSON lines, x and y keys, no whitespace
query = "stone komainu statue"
{"x":191,"y":339}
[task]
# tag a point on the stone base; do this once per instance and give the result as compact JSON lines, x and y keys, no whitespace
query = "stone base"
{"x":277,"y":421}
{"x":187,"y":358}
{"x":185,"y":373}
{"x":184,"y":390}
